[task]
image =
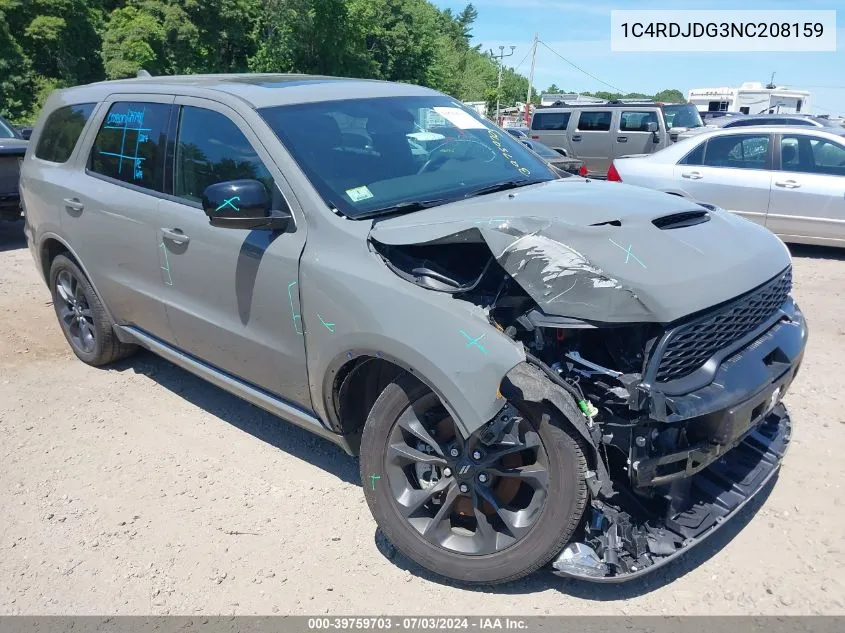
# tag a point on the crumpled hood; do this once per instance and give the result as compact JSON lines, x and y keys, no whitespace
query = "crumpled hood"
{"x":605,"y":252}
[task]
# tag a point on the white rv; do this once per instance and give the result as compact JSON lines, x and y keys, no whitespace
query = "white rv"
{"x":751,"y":98}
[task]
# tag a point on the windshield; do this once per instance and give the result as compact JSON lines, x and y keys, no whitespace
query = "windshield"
{"x":6,"y":130}
{"x":383,"y":155}
{"x":682,"y":115}
{"x":543,"y":150}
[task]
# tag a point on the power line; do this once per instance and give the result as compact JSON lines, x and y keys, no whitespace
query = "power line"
{"x":575,"y":66}
{"x":517,"y":67}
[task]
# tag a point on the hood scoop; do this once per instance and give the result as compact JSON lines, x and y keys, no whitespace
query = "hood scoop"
{"x":681,"y":220}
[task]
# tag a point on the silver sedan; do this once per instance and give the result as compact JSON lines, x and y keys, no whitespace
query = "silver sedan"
{"x":790,"y":179}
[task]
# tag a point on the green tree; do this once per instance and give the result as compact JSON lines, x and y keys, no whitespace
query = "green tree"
{"x":670,"y":95}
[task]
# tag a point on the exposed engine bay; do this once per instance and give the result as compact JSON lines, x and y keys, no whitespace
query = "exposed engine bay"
{"x":672,"y":451}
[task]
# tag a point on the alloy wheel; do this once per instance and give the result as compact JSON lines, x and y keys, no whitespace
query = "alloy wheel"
{"x":463,"y":495}
{"x":75,"y":313}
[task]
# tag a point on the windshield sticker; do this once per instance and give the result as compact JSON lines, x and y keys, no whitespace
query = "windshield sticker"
{"x":497,"y":141}
{"x":460,"y":119}
{"x":359,"y":193}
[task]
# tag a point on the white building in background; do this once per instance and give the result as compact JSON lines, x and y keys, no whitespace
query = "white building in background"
{"x":751,"y":97}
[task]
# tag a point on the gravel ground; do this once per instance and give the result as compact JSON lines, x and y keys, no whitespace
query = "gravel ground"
{"x":140,"y":489}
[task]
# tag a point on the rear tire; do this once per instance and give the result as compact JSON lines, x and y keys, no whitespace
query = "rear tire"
{"x":548,"y":528}
{"x":82,"y":317}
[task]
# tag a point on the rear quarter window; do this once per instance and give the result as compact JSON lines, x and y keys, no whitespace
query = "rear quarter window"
{"x":61,"y":132}
{"x":550,"y":121}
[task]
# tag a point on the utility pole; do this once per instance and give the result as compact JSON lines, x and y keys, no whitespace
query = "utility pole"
{"x":501,"y":56}
{"x":531,"y":80}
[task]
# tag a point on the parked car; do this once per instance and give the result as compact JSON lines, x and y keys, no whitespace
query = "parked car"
{"x":532,"y":368}
{"x":12,"y":150}
{"x":598,"y":133}
{"x":553,"y":158}
{"x":789,"y":179}
{"x":783,"y":119}
{"x":520,"y":133}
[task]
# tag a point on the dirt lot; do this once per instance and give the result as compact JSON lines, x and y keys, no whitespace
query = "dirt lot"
{"x":140,"y":489}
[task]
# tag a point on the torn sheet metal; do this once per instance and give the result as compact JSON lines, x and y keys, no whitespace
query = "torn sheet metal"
{"x":591,"y":255}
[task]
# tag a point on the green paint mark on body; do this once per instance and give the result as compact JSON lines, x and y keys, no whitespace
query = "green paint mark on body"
{"x":294,"y":315}
{"x":373,"y":479}
{"x":329,"y":326}
{"x":166,"y":267}
{"x":475,"y":342}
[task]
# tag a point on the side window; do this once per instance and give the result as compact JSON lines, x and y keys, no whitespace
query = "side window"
{"x":595,"y":121}
{"x":636,"y":121}
{"x":740,"y":151}
{"x":211,"y":149}
{"x":695,"y":157}
{"x":61,"y":131}
{"x":812,"y":155}
{"x":550,"y":121}
{"x":130,"y":144}
{"x":790,"y":154}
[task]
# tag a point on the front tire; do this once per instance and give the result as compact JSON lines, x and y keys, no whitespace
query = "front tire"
{"x":82,"y":317}
{"x":465,"y":510}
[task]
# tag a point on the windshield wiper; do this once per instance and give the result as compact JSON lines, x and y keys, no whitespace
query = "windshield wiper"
{"x":403,"y":207}
{"x":502,"y":186}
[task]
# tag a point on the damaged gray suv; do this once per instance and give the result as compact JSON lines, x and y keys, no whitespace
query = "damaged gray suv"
{"x":534,"y":370}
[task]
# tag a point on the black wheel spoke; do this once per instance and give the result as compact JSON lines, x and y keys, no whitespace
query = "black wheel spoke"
{"x":66,"y":315}
{"x":535,"y":475}
{"x":401,"y":452}
{"x":413,"y":499}
{"x":410,"y":423}
{"x":511,"y":522}
{"x":444,"y":511}
{"x":486,"y":537}
{"x":86,"y":312}
{"x":494,"y":454}
{"x":63,"y":287}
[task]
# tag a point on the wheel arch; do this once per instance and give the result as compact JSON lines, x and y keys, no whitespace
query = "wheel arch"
{"x":50,"y":247}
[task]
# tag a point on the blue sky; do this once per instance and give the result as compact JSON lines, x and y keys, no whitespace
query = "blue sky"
{"x":580,"y":31}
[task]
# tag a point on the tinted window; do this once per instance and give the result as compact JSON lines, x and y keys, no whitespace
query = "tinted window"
{"x":695,"y":157}
{"x":636,"y":121}
{"x":357,"y":153}
{"x":812,"y":155}
{"x":682,"y":115}
{"x":210,"y":149}
{"x":61,"y":131}
{"x":6,"y":130}
{"x":130,"y":144}
{"x":740,"y":151}
{"x":550,"y":120}
{"x":594,"y":121}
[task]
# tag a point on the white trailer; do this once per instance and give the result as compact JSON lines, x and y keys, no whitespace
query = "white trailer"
{"x":752,"y":98}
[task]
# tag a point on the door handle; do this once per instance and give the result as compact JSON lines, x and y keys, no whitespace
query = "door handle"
{"x":692,"y":175}
{"x":73,"y":204}
{"x":788,"y":184}
{"x":622,"y":139}
{"x":175,"y":235}
{"x":576,"y":138}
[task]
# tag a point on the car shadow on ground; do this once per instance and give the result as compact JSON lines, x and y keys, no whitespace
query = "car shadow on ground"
{"x":544,"y":580}
{"x":11,"y":236}
{"x":264,"y":426}
{"x":817,"y":252}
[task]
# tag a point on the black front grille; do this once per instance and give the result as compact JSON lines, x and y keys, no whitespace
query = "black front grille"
{"x":691,"y":345}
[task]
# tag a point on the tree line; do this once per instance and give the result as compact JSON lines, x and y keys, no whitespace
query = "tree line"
{"x":48,"y":44}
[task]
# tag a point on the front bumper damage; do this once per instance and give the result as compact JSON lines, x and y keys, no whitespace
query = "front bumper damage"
{"x":669,"y":495}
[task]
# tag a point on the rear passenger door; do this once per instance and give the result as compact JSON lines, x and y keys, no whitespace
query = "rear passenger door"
{"x":592,"y":141}
{"x":232,"y":295}
{"x":550,"y":129}
{"x":732,"y":171}
{"x":632,"y":135}
{"x":808,"y":191}
{"x":111,"y":216}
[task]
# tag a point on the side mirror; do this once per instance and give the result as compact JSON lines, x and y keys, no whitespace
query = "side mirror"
{"x":242,"y":204}
{"x":652,"y":126}
{"x":26,"y":133}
